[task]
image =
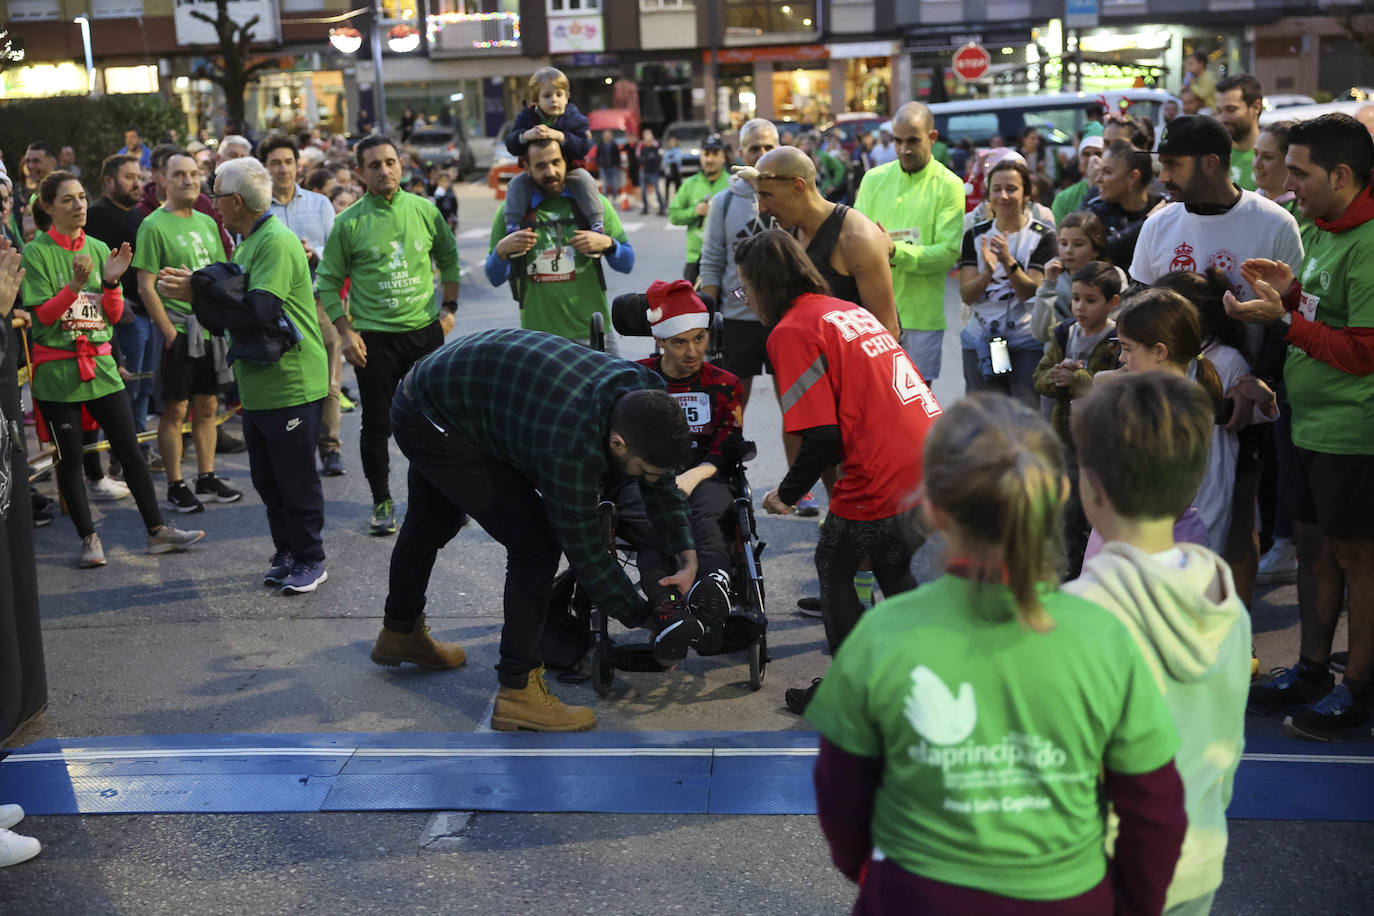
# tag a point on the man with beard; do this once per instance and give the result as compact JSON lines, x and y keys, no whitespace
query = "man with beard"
{"x":922,"y":209}
{"x":560,"y":284}
{"x":1239,"y":103}
{"x":114,"y":219}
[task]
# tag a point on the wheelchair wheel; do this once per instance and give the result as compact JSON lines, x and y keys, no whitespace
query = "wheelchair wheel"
{"x":758,"y":662}
{"x":602,"y":671}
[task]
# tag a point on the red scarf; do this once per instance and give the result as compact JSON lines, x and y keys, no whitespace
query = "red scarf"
{"x":84,"y":353}
{"x":1360,"y":211}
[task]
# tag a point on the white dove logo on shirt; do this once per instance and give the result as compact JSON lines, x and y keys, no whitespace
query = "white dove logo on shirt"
{"x":937,"y":714}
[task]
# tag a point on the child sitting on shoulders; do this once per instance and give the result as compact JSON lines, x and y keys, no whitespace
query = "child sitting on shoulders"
{"x":1142,"y":445}
{"x":551,"y":116}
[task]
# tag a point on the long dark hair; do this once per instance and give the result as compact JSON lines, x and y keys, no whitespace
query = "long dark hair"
{"x":1206,"y":291}
{"x":777,"y":271}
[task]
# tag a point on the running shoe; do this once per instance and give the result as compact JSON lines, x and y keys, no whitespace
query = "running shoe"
{"x":383,"y":519}
{"x":279,"y":567}
{"x":1335,"y":717}
{"x":92,"y":552}
{"x":798,"y":698}
{"x":305,"y":577}
{"x":172,"y":540}
{"x":107,"y":489}
{"x":1279,"y":565}
{"x":676,"y":630}
{"x":809,"y":607}
{"x":181,"y":499}
{"x":1285,"y":688}
{"x":216,"y":490}
{"x":807,"y":507}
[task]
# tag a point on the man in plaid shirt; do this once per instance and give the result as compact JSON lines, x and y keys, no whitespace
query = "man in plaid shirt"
{"x":523,"y":431}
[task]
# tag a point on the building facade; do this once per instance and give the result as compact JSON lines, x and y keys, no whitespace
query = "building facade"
{"x":468,"y":61}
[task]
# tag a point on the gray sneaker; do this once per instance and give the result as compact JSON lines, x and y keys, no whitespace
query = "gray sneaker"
{"x":172,"y":540}
{"x":92,"y":552}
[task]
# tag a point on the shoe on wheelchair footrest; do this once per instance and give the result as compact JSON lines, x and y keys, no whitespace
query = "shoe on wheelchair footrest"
{"x":742,"y":627}
{"x":709,"y":600}
{"x":676,"y":630}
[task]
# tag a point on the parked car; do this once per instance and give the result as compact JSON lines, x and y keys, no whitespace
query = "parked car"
{"x":690,"y":135}
{"x":1060,"y":116}
{"x":1307,"y":112}
{"x":852,"y":125}
{"x":442,"y":146}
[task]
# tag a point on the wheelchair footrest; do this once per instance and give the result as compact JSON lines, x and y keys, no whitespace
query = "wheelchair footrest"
{"x":636,"y":656}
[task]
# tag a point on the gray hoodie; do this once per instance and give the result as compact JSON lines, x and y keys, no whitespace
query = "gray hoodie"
{"x":734,"y":215}
{"x":1182,"y":610}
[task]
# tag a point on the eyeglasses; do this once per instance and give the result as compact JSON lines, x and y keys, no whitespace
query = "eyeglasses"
{"x":223,"y":194}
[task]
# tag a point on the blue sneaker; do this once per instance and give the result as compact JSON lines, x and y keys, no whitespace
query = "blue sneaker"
{"x":1286,"y":688}
{"x":279,"y":568}
{"x":304,"y":577}
{"x":1334,"y":717}
{"x":807,"y":507}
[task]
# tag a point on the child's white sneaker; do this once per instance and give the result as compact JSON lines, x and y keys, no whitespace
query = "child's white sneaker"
{"x":15,"y":848}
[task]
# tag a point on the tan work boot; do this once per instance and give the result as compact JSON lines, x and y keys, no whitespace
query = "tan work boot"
{"x":534,"y":709}
{"x":417,"y":647}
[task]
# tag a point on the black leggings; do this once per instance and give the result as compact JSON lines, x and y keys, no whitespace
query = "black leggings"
{"x":843,"y":545}
{"x":116,"y":417}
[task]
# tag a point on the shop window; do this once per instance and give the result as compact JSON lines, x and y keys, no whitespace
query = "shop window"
{"x":115,"y":9}
{"x":759,"y":17}
{"x":33,"y":10}
{"x":650,"y":5}
{"x":573,"y":7}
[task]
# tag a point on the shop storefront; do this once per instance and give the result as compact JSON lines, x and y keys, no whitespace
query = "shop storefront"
{"x":782,"y":82}
{"x":862,"y":77}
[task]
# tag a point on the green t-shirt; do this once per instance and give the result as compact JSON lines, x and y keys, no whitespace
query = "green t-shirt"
{"x":924,"y":214}
{"x":1242,"y":168}
{"x":682,"y":210}
{"x":274,"y":261}
{"x":390,"y":250}
{"x":993,"y":737}
{"x":561,"y":287}
{"x":1333,"y":411}
{"x":48,"y":268}
{"x":1069,"y":200}
{"x":168,"y":240}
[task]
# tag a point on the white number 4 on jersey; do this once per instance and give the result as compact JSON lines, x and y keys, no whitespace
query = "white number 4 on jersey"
{"x":909,"y":385}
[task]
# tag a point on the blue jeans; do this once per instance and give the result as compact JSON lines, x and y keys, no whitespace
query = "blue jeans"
{"x":141,"y":342}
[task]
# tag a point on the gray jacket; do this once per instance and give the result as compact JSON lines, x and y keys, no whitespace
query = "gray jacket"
{"x":734,"y":215}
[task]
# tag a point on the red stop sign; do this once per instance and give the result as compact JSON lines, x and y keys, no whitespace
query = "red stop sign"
{"x":971,"y":61}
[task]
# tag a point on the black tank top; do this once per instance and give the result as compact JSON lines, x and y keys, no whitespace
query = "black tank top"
{"x":823,"y":246}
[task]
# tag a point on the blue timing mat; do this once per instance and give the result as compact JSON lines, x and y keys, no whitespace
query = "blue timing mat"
{"x":605,"y":772}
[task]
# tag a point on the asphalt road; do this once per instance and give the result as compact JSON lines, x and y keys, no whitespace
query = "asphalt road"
{"x":193,"y":644}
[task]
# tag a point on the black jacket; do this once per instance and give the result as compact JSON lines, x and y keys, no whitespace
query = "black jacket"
{"x":260,"y":330}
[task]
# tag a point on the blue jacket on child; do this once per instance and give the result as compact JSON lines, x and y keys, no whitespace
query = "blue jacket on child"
{"x":573,"y":124}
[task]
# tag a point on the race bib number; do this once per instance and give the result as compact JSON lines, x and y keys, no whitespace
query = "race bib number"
{"x":556,"y":264}
{"x":1308,"y":306}
{"x":84,"y":314}
{"x":912,"y":235}
{"x":697,"y":406}
{"x":909,"y":385}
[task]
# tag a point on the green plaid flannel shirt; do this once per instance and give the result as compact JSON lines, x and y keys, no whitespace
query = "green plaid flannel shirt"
{"x":543,"y":405}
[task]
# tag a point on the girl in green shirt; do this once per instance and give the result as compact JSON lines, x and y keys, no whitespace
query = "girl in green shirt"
{"x":972,"y":728}
{"x":71,"y":284}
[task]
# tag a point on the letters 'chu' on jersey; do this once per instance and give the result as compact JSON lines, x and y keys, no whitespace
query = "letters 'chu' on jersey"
{"x":837,"y":365}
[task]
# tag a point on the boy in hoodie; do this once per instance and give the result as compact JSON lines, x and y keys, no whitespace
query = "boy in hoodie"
{"x":550,"y":115}
{"x":1177,"y":600}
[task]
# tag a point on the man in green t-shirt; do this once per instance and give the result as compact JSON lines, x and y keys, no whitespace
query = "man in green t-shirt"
{"x":692,"y":201}
{"x":1325,"y":312}
{"x":282,"y":398}
{"x":193,"y":365}
{"x":388,"y":244}
{"x":1239,"y":103}
{"x":553,"y":262}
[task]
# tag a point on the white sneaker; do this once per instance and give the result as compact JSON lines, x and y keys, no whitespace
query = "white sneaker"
{"x":10,"y":815}
{"x":107,"y":489}
{"x":15,"y":848}
{"x":1279,"y":565}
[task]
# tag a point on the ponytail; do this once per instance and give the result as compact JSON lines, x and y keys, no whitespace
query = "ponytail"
{"x":997,"y":469}
{"x":1207,"y":377}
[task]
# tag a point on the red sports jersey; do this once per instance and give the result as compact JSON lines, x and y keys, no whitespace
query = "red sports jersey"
{"x":711,"y":399}
{"x":836,"y":365}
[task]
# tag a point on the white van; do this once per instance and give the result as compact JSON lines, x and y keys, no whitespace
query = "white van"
{"x":1060,"y":116}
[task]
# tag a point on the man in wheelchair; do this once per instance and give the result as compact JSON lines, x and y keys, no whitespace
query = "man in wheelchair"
{"x":711,"y":400}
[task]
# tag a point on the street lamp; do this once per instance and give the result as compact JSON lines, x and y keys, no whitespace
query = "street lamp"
{"x":85,"y":24}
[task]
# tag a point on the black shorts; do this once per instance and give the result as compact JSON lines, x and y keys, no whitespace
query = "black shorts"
{"x":183,"y":376}
{"x":746,"y":351}
{"x":1335,"y":494}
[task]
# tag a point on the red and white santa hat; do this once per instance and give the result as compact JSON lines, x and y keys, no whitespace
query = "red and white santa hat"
{"x":674,"y":309}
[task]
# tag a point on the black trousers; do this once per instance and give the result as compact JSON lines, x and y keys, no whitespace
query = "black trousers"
{"x":843,"y":545}
{"x":281,"y":461}
{"x":449,"y":479}
{"x":708,"y":504}
{"x":116,"y":417}
{"x":389,"y":358}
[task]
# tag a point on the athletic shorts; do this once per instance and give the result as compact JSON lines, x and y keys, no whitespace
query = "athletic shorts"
{"x":1334,"y":493}
{"x":183,"y":376}
{"x":746,"y":351}
{"x":926,"y":349}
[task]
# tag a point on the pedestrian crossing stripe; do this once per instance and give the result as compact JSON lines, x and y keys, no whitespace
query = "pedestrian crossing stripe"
{"x":742,"y":773}
{"x":475,"y":234}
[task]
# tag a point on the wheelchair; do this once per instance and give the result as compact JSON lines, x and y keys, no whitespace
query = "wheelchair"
{"x":577,"y":640}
